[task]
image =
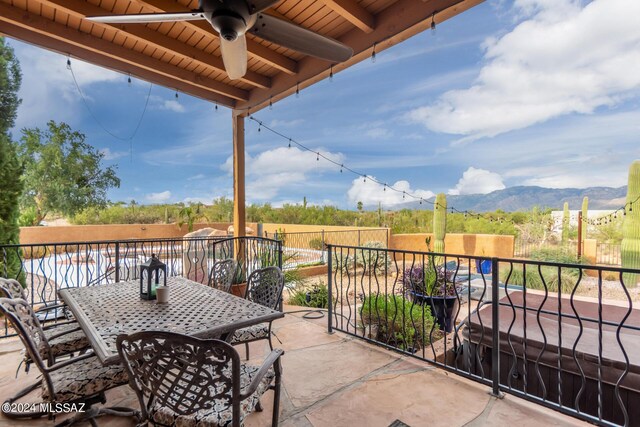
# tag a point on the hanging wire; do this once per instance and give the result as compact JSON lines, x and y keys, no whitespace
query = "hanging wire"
{"x":91,"y":113}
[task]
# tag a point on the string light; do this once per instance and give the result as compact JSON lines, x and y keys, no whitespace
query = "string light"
{"x":384,"y":185}
{"x":176,"y":94}
{"x":129,"y":80}
{"x":433,"y":23}
{"x":373,"y":53}
{"x":270,"y":104}
{"x":68,"y":63}
{"x":297,"y":90}
{"x":216,"y":106}
{"x":331,"y":73}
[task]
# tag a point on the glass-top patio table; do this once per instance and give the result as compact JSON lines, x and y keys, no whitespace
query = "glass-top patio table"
{"x":106,"y":311}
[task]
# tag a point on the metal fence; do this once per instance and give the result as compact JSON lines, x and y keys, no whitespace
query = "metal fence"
{"x":44,"y":269}
{"x":567,"y":336}
{"x":309,"y":247}
{"x":608,"y":254}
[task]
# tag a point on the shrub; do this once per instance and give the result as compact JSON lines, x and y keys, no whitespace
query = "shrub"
{"x":316,"y":243}
{"x":536,"y":279}
{"x":399,"y":322}
{"x":373,"y":259}
{"x":342,"y":262}
{"x":316,"y":297}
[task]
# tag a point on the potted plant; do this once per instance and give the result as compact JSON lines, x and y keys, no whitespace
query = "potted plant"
{"x":435,"y":287}
{"x":239,"y":281}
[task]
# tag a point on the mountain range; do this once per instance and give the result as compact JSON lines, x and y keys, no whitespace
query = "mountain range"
{"x":526,"y":197}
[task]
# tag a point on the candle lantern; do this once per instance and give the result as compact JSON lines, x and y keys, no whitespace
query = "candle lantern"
{"x":151,"y":272}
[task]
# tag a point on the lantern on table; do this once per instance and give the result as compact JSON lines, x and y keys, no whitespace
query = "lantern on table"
{"x":150,"y":274}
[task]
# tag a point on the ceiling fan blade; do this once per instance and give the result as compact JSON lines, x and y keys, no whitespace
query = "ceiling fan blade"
{"x":300,"y":39}
{"x":256,"y":6}
{"x":148,"y":17}
{"x":234,"y":56}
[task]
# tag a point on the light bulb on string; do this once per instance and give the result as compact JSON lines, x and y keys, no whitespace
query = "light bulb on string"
{"x":317,"y":156}
{"x":384,"y":187}
{"x":331,"y":74}
{"x":403,"y":194}
{"x":216,"y":107}
{"x":297,"y":90}
{"x":176,"y":94}
{"x":270,"y":104}
{"x":373,"y":53}
{"x":433,"y":23}
{"x":289,"y":142}
{"x":364,"y":178}
{"x":341,"y":166}
{"x":68,"y":63}
{"x":129,"y":80}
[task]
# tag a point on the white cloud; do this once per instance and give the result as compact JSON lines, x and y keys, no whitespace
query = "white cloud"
{"x":371,"y":193}
{"x":54,"y":96}
{"x":477,"y":181}
{"x":173,"y":105}
{"x":274,"y":170}
{"x":197,"y":177}
{"x":158,"y":197}
{"x":563,"y":58}
{"x":113,"y":155}
{"x":379,"y":133}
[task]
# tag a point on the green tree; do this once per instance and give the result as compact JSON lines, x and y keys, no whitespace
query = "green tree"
{"x":63,"y":173}
{"x":10,"y":167}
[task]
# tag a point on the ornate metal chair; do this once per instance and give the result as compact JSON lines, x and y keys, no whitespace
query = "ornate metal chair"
{"x":182,"y":380}
{"x":264,"y":286}
{"x":221,"y":274}
{"x":63,"y":338}
{"x":80,"y":380}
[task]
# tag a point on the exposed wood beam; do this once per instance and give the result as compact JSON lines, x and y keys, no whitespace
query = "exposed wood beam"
{"x":398,"y":22}
{"x":352,"y":12}
{"x":255,"y":49}
{"x":44,"y":26}
{"x":66,"y":48}
{"x":239,"y":220}
{"x":82,"y":9}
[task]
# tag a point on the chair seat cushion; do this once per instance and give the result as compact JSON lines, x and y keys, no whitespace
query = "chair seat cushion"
{"x":251,"y":333}
{"x":220,"y":415}
{"x":84,"y":378}
{"x":67,"y":343}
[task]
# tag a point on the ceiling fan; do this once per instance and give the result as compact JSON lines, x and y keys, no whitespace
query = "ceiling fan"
{"x":232,"y":19}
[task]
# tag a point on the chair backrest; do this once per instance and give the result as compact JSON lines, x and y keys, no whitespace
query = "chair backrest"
{"x":221,"y":274}
{"x":182,"y":373}
{"x":11,"y":288}
{"x":264,"y":286}
{"x":26,"y":324}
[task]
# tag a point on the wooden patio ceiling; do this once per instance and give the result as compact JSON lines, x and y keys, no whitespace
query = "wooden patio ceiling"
{"x":186,"y":55}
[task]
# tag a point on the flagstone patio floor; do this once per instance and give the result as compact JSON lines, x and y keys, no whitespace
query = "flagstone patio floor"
{"x":336,"y":380}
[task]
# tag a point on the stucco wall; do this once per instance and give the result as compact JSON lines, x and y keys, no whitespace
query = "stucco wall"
{"x":488,"y":245}
{"x":299,"y":228}
{"x":92,"y":233}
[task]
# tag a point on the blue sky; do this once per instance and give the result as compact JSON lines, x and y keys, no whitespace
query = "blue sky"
{"x":524,"y":92}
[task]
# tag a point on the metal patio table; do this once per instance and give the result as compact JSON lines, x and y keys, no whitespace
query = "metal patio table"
{"x":106,"y":311}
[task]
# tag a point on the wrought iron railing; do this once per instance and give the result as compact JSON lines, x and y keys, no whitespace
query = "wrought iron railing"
{"x":567,"y":335}
{"x":46,"y":268}
{"x":309,"y":247}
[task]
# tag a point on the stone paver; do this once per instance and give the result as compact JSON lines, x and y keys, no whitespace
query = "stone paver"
{"x":337,"y":380}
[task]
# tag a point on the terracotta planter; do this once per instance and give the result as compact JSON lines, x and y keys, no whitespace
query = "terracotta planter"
{"x":239,"y":289}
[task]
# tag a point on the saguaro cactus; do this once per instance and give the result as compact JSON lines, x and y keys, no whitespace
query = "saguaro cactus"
{"x":565,"y":223}
{"x":585,"y":213}
{"x":630,"y":248}
{"x":439,"y":222}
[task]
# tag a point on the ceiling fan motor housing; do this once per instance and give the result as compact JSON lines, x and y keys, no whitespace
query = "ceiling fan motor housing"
{"x":228,"y":17}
